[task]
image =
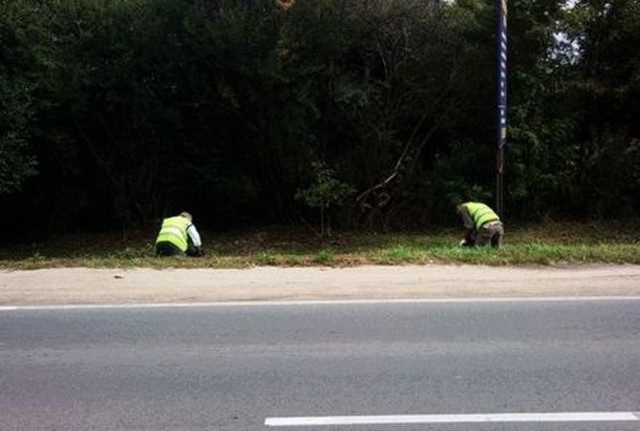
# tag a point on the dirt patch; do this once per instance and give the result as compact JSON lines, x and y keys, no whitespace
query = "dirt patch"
{"x":108,"y":286}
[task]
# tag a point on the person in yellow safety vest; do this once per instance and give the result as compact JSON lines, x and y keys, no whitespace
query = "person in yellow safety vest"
{"x":178,"y":237}
{"x":482,"y":224}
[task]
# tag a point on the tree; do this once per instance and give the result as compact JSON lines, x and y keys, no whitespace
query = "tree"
{"x":388,"y":81}
{"x":121,"y":106}
{"x":16,"y":164}
{"x":324,"y":192}
{"x":607,"y":94}
{"x":20,"y":40}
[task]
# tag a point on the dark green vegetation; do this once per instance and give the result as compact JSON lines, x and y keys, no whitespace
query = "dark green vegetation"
{"x":554,"y":243}
{"x":368,"y":115}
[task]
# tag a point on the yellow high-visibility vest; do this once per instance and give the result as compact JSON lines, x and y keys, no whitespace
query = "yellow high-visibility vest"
{"x":481,"y":214}
{"x":174,"y":230}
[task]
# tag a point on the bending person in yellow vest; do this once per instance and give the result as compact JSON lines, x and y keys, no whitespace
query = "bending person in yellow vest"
{"x":178,"y":237}
{"x":482,"y":224}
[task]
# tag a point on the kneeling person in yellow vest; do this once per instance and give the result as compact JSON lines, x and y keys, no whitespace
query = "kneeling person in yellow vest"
{"x":482,"y":224}
{"x":178,"y":237}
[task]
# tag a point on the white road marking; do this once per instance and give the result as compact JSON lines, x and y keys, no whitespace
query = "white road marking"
{"x":452,"y":419}
{"x":314,"y":302}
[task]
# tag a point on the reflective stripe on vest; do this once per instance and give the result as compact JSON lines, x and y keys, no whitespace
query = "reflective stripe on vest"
{"x":481,"y":214}
{"x":174,"y":230}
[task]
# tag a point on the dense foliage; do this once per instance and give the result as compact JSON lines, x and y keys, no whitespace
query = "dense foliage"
{"x":119,"y":112}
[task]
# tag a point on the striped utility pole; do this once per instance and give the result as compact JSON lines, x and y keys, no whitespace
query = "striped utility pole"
{"x":501,"y":134}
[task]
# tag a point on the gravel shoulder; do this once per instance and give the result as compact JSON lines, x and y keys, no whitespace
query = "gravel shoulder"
{"x":127,"y":286}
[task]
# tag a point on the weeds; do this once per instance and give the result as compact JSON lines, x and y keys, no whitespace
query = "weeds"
{"x":554,"y":244}
{"x":324,"y":257}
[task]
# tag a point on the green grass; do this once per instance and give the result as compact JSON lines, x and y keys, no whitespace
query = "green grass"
{"x":545,"y":244}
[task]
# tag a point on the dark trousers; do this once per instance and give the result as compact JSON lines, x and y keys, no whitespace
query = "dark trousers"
{"x":165,"y":248}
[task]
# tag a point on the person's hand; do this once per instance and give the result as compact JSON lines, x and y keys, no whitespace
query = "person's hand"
{"x":195,"y":251}
{"x":466,"y":242}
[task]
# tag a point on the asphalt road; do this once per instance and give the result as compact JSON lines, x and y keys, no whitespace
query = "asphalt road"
{"x":246,"y":367}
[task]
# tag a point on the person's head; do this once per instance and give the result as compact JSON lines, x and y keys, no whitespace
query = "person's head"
{"x":186,"y":215}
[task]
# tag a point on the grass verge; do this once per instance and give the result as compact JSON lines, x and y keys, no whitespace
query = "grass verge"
{"x":545,"y":244}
